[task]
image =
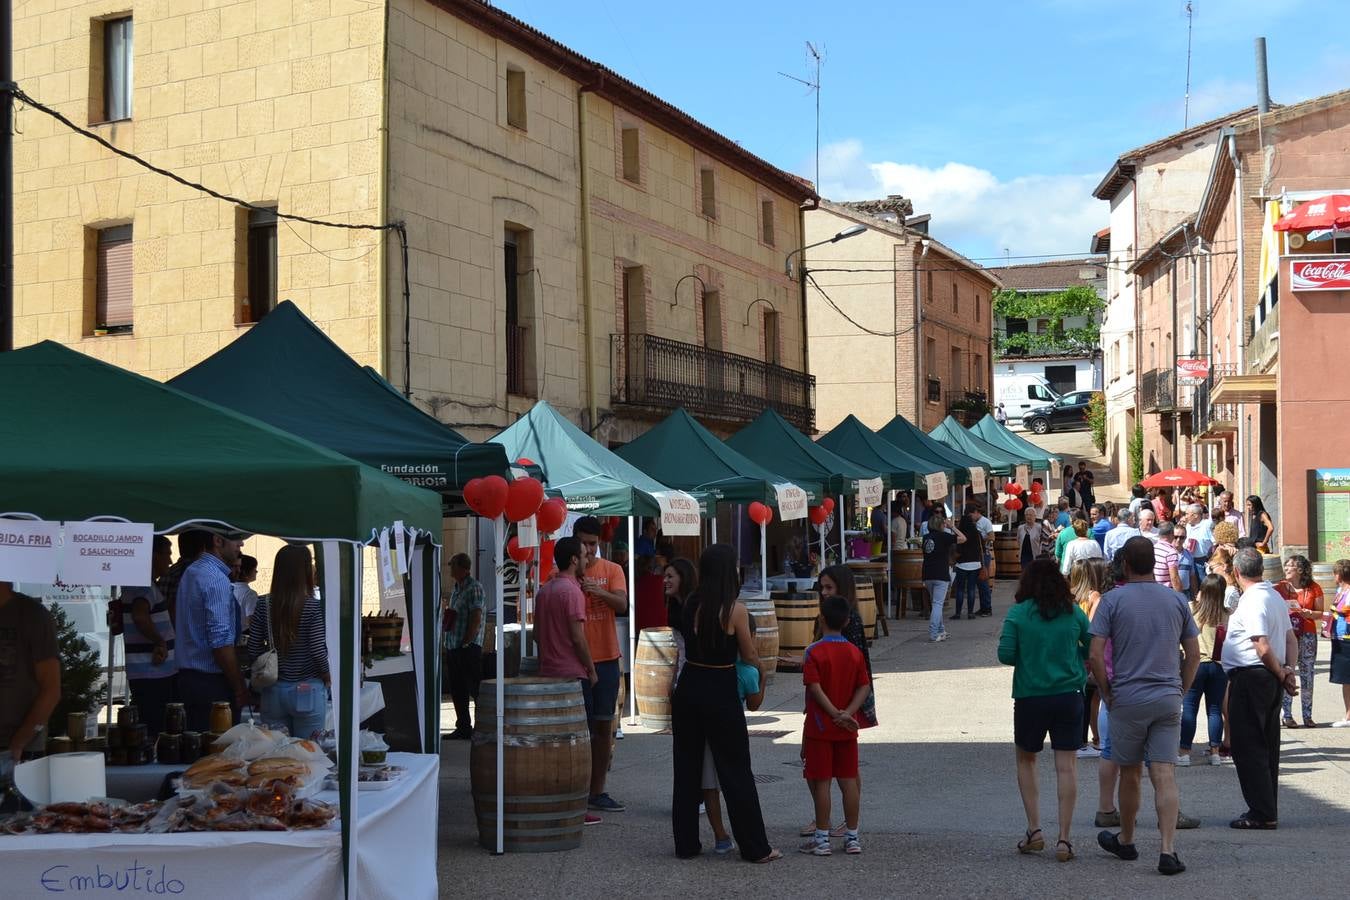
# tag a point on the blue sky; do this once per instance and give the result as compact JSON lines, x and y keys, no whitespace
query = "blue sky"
{"x":996,"y":116}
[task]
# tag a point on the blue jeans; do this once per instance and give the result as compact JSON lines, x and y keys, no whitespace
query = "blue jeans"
{"x":1210,"y":683}
{"x":299,"y":706}
{"x":938,"y":591}
{"x":967,"y":585}
{"x":986,"y":590}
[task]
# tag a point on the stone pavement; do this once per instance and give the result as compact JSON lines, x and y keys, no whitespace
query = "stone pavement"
{"x":941,"y":814}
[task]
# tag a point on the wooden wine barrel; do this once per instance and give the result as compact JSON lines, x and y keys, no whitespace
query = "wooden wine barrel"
{"x":797,"y":613}
{"x":867,"y":606}
{"x":1007,"y":555}
{"x":1272,"y":567}
{"x":766,"y":634}
{"x":1323,"y":574}
{"x":385,"y":633}
{"x":908,"y":567}
{"x":546,"y":764}
{"x":654,"y":676}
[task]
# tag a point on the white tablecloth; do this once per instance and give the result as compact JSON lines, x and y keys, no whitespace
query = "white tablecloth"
{"x":395,"y":845}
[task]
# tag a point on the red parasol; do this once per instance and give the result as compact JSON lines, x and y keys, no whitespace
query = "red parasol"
{"x":1175,"y":478}
{"x":1331,"y":211}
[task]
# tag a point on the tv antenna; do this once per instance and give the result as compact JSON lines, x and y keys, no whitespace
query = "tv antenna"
{"x":1186,"y":108}
{"x":814,"y":85}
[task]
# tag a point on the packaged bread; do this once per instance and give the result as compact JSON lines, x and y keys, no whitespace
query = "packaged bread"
{"x":279,"y":767}
{"x":304,"y":751}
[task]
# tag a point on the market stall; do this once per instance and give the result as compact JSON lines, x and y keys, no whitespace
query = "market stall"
{"x":991,"y":432}
{"x":147,"y":453}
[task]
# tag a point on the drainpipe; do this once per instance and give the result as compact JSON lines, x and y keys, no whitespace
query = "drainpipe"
{"x":382,"y":213}
{"x":919,"y":377}
{"x":1244,"y":421}
{"x":587,"y":324}
{"x":802,"y":210}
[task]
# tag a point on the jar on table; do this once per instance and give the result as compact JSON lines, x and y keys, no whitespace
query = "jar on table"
{"x":76,"y":723}
{"x":168,"y":749}
{"x":189,"y":747}
{"x":135,"y":736}
{"x":175,"y":718}
{"x":222,"y":716}
{"x":128,"y":715}
{"x":59,"y":745}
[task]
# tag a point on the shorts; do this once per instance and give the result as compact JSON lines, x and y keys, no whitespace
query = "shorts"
{"x":830,"y":759}
{"x":1151,"y":729}
{"x":1060,"y":715}
{"x":604,"y":693}
{"x":710,"y":782}
{"x":587,"y":697}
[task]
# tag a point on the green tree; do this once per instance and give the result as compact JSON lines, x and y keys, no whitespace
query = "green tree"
{"x":1055,"y":307}
{"x":81,"y":673}
{"x":1096,"y":416}
{"x":1136,"y":451}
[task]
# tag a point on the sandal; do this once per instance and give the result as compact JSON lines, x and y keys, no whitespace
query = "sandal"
{"x":1031,"y":843}
{"x":773,"y":854}
{"x":1063,"y":851}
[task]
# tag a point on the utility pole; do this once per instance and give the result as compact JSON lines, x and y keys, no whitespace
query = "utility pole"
{"x":6,"y":176}
{"x":814,"y":86}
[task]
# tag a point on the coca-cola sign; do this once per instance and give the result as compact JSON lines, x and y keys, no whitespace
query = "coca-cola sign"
{"x":1320,"y":275}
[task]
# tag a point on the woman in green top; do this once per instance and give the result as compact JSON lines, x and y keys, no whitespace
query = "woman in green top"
{"x":1045,"y":639}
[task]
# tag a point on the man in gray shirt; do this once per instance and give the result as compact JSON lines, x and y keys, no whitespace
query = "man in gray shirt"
{"x":1145,"y":622}
{"x":1116,"y":537}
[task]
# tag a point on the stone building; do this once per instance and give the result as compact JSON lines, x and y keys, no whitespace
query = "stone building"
{"x":899,"y":322}
{"x":571,"y":237}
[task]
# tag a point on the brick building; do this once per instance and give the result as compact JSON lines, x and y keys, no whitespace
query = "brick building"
{"x":540,"y":265}
{"x":908,"y":330}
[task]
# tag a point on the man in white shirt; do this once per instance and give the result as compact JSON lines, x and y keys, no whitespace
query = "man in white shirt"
{"x":1199,"y":534}
{"x":1116,"y":537}
{"x":1231,"y":514}
{"x":1259,"y":643}
{"x":1147,"y":520}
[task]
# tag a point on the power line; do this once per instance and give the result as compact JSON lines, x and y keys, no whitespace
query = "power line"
{"x":852,"y":321}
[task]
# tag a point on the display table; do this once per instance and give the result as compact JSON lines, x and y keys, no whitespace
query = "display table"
{"x":395,"y":848}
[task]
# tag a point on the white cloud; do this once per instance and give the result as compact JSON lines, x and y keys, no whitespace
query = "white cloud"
{"x":973,"y":210}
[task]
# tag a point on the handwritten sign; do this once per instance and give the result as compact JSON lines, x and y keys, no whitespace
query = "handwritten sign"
{"x":107,"y":553}
{"x":135,"y":877}
{"x":386,"y":564}
{"x":1023,"y":475}
{"x":977,"y":480}
{"x":29,"y":551}
{"x":679,"y":514}
{"x":792,"y":502}
{"x":527,"y":532}
{"x":936,"y":485}
{"x":401,"y":546}
{"x":869,"y":491}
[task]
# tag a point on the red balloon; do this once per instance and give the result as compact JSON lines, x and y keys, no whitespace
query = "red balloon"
{"x":471,"y":491}
{"x":524,"y":461}
{"x":828,"y":503}
{"x":1036,"y":482}
{"x":818,"y":515}
{"x":607,"y":532}
{"x":523,"y":497}
{"x":488,"y":498}
{"x":1035,"y":498}
{"x":1016,"y":504}
{"x":1013,"y":488}
{"x":760,"y":514}
{"x":551,"y":515}
{"x":1008,"y":504}
{"x":545,"y":560}
{"x":518,"y":553}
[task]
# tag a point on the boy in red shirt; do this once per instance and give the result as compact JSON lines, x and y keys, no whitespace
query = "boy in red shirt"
{"x":835,"y":676}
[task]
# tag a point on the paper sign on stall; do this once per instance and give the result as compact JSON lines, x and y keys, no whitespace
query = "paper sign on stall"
{"x":679,"y":513}
{"x":527,"y":532}
{"x":937,"y":485}
{"x":107,"y":553}
{"x":386,"y":564}
{"x":29,"y":551}
{"x":869,"y":491}
{"x":977,"y":479}
{"x":792,"y":502}
{"x":1023,"y":476}
{"x":401,"y":546}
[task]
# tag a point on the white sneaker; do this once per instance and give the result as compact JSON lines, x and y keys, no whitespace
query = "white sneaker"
{"x":1215,"y":759}
{"x":1089,"y":752}
{"x":618,"y":734}
{"x":1343,"y":723}
{"x":1184,"y":759}
{"x":942,"y":636}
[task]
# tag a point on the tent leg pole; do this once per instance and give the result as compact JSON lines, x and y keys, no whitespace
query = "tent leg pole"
{"x":890,"y":550}
{"x":764,"y":562}
{"x":713,"y":523}
{"x":632,"y":625}
{"x":843,"y":547}
{"x":499,"y":536}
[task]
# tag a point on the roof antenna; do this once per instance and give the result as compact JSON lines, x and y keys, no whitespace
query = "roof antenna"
{"x":1186,"y":111}
{"x":814,"y":86}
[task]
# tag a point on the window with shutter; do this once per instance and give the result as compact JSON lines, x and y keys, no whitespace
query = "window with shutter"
{"x":112,"y":305}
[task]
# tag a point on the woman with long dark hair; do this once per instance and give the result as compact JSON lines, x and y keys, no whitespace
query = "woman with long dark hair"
{"x":1260,"y":527}
{"x":290,"y":620}
{"x":1210,"y":683}
{"x":706,"y":709}
{"x":1045,"y":639}
{"x":679,"y":581}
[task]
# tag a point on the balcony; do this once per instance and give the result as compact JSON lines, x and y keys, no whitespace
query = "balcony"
{"x":1160,"y":393}
{"x":967,"y":407}
{"x":656,"y":375}
{"x":934,"y":389}
{"x":1214,"y":421}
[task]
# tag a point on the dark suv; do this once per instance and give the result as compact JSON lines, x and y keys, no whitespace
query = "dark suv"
{"x":1068,"y":413}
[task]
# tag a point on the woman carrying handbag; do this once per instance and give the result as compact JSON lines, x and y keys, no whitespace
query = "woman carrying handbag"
{"x":291,"y":617}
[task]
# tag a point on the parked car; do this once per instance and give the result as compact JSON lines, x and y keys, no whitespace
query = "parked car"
{"x":1020,"y":394}
{"x":1068,"y":413}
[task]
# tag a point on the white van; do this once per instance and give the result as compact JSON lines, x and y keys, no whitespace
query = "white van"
{"x":1020,"y":393}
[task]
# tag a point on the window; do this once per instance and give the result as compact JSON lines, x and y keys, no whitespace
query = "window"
{"x":518,"y":272}
{"x":1129,"y":353}
{"x":515,"y":97}
{"x":771,"y":337}
{"x":112,"y":285}
{"x":712,"y":320}
{"x":977,"y":371}
{"x":115,"y":49}
{"x":632,"y":162}
{"x":930,"y":355}
{"x":707,"y":192}
{"x":634,"y":300}
{"x":261,"y":275}
{"x":1037,"y":391}
{"x":954,"y":375}
{"x":956,"y":298}
{"x":766,"y":221}
{"x":977,"y":307}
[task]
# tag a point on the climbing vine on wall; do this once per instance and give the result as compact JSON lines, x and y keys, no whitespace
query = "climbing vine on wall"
{"x":1053,"y":308}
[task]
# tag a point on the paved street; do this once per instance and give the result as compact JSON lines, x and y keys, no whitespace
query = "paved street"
{"x":941,"y":814}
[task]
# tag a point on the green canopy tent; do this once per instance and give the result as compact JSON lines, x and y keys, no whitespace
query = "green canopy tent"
{"x":86,"y":440}
{"x":773,"y":443}
{"x":990,"y":431}
{"x":288,"y":373}
{"x":999,"y":460}
{"x":909,"y":437}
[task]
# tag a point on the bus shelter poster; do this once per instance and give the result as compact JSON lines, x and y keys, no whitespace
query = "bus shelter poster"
{"x":1331,"y":513}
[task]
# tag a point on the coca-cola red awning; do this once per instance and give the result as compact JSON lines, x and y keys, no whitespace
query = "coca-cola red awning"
{"x":1331,"y":211}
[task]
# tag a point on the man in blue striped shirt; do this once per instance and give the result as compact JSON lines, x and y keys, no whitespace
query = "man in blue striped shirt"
{"x":207,"y":631}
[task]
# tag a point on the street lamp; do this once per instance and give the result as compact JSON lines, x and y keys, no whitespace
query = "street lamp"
{"x":851,"y":231}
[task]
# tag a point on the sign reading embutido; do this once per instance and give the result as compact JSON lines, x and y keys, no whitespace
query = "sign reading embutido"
{"x":1319,"y":275}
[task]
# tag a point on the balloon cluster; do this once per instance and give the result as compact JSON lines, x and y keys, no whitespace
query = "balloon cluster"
{"x":1014,"y":492}
{"x":760,"y":514}
{"x":819,"y":514}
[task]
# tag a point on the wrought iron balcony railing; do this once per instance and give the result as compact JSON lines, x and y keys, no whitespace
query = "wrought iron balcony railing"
{"x":967,"y":407}
{"x":1160,"y":393}
{"x":659,"y":374}
{"x":1212,"y":419}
